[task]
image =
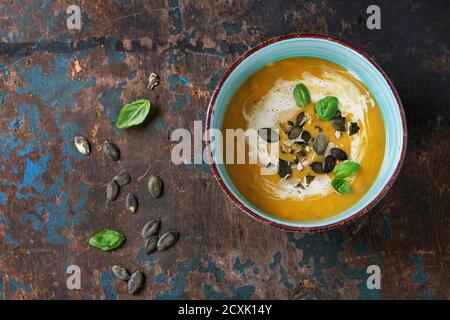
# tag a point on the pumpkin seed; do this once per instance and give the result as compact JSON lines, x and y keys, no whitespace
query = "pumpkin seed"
{"x":284,"y":169}
{"x":155,"y":186}
{"x":268,"y":135}
{"x":301,"y":152}
{"x":167,"y":240}
{"x":150,"y":228}
{"x":300,"y":143}
{"x":339,"y":123}
{"x":82,"y":145}
{"x":136,"y":282}
{"x":305,"y":136}
{"x":290,"y":123}
{"x":112,"y":191}
{"x":122,"y":179}
{"x":131,"y":203}
{"x":338,"y":113}
{"x":294,"y":132}
{"x":153,"y":80}
{"x":328,"y":164}
{"x":316,"y":167}
{"x":354,"y":128}
{"x":111,"y":150}
{"x":339,"y":154}
{"x":309,"y":179}
{"x":300,"y":120}
{"x":320,"y":143}
{"x":120,"y":272}
{"x":319,"y":129}
{"x":151,"y":244}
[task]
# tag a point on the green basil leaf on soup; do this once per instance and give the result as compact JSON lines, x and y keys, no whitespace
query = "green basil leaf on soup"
{"x":107,"y":239}
{"x":327,"y":107}
{"x":133,"y":113}
{"x":346,"y":169}
{"x":301,"y":95}
{"x":341,"y":186}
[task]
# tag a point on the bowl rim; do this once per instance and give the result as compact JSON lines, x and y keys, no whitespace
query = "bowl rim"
{"x":280,"y":225}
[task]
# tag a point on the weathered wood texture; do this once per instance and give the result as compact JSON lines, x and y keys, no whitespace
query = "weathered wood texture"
{"x":55,"y":83}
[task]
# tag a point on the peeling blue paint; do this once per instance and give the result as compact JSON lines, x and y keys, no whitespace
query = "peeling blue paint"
{"x":386,"y":229}
{"x":420,"y":276}
{"x":282,"y":270}
{"x":15,"y":285}
{"x":106,"y":279}
{"x":241,"y":267}
{"x":230,"y":28}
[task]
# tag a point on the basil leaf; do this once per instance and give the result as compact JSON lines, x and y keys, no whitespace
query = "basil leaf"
{"x":107,"y":239}
{"x":133,"y":113}
{"x":301,"y":95}
{"x":341,"y":186}
{"x":345,"y":169}
{"x":327,"y":107}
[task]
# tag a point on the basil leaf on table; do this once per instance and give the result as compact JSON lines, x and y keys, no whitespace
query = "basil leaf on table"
{"x":107,"y":240}
{"x":341,"y":186}
{"x":327,"y":107}
{"x":346,"y":169}
{"x":301,"y":95}
{"x":133,"y":113}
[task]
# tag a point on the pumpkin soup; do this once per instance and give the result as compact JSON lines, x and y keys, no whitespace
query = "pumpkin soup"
{"x":329,"y":132}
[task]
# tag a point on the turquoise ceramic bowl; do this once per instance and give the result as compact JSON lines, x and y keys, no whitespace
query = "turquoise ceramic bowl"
{"x":350,"y":58}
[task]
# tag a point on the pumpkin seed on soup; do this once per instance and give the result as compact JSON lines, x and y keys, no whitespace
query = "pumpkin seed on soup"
{"x":339,"y":123}
{"x":305,"y":136}
{"x":284,"y":169}
{"x":316,"y":167}
{"x":294,"y":133}
{"x":354,"y":128}
{"x":329,"y":164}
{"x":339,"y":154}
{"x":320,"y":143}
{"x":268,"y":135}
{"x":300,"y":120}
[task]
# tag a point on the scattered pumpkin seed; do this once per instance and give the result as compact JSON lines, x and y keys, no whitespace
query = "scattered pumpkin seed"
{"x":112,"y":191}
{"x":131,"y":203}
{"x":167,"y":240}
{"x":151,"y":228}
{"x":316,"y":167}
{"x":268,"y":135}
{"x":111,"y":150}
{"x":153,"y":80}
{"x":328,"y":164}
{"x":120,"y":272}
{"x":284,"y":169}
{"x":354,"y":128}
{"x":82,"y":145}
{"x":339,"y":123}
{"x":151,"y":244}
{"x":320,"y":143}
{"x":294,"y":132}
{"x":155,"y":186}
{"x":339,"y":154}
{"x":122,"y":179}
{"x":319,"y":129}
{"x":136,"y":282}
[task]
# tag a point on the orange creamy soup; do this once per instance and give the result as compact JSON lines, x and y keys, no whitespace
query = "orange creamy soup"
{"x":298,"y":189}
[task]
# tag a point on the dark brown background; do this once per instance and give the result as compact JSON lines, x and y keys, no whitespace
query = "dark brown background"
{"x":52,"y":199}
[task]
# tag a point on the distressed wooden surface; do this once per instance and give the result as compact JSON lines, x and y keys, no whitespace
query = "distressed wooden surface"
{"x":52,"y":199}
